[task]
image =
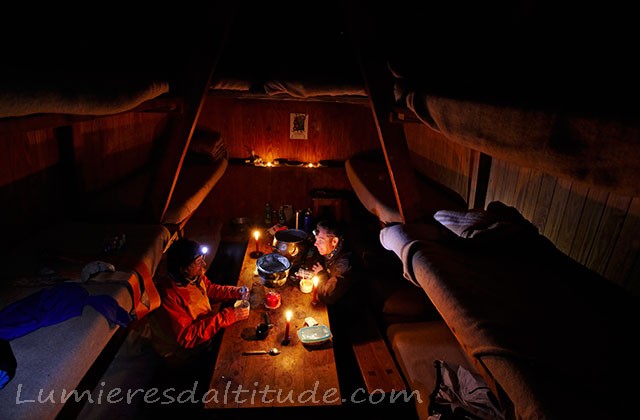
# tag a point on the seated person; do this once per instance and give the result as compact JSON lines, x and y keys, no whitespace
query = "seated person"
{"x":333,"y":268}
{"x":185,"y":320}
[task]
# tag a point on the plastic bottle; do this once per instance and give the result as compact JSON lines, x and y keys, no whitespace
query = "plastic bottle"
{"x":307,"y":221}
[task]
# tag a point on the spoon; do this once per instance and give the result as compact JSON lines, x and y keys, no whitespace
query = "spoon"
{"x":273,"y":352}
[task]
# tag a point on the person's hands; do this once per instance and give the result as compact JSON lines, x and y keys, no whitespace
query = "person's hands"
{"x":241,"y":313}
{"x":317,"y":267}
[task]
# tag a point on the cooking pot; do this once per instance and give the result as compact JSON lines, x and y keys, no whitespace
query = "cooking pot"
{"x":273,"y":269}
{"x":288,"y":242}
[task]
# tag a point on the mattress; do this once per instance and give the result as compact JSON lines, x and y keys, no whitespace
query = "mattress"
{"x":53,"y":359}
{"x":108,"y":97}
{"x":546,"y":329}
{"x":194,"y":183}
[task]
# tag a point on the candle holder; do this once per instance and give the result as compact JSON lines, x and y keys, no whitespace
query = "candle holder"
{"x":257,"y":253}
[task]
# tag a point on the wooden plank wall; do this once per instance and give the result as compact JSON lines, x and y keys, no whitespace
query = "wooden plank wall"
{"x":30,"y":183}
{"x":443,"y":161}
{"x":336,"y":132}
{"x":596,"y":228}
{"x":110,"y":148}
{"x":43,"y":171}
{"x":244,"y":190}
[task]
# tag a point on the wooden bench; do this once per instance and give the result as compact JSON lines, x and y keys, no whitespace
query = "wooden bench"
{"x":377,"y":366}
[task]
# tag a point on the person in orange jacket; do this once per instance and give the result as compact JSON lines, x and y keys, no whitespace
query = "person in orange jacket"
{"x":186,"y":319}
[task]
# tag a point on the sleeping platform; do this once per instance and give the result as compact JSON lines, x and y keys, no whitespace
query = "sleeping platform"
{"x":105,"y":150}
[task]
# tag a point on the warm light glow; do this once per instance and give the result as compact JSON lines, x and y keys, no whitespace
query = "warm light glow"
{"x":256,"y":234}
{"x":314,"y":300}
{"x":310,"y":165}
{"x":287,"y":338}
{"x":269,"y":164}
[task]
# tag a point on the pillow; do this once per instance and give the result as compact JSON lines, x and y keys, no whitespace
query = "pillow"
{"x":207,"y":146}
{"x":499,"y":220}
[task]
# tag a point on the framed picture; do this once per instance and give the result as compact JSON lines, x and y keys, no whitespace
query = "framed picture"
{"x":298,"y":126}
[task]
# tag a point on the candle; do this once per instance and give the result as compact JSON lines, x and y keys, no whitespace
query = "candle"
{"x":287,"y":315}
{"x":315,"y":289}
{"x":256,"y":235}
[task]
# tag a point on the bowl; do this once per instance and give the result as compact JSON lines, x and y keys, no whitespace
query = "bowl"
{"x":273,"y":269}
{"x":317,"y":334}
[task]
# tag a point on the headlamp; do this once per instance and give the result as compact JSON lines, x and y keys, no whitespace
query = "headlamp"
{"x":202,"y":251}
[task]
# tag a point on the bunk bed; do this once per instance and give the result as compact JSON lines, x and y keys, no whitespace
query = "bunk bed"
{"x":289,"y":89}
{"x":106,"y":261}
{"x":96,"y":97}
{"x":110,"y":252}
{"x":554,"y":337}
{"x":541,"y":328}
{"x":108,"y":258}
{"x":313,"y":62}
{"x":205,"y":163}
{"x":548,"y":104}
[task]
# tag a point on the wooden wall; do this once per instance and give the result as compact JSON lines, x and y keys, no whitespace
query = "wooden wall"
{"x":108,"y":149}
{"x":31,"y":182}
{"x":444,"y":161}
{"x":44,"y":172}
{"x":596,"y":228}
{"x":336,"y":132}
{"x":244,"y":190}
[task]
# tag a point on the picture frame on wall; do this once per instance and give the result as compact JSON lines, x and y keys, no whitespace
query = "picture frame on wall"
{"x":298,"y":125}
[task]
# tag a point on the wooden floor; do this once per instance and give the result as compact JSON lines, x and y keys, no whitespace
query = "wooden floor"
{"x":137,"y":366}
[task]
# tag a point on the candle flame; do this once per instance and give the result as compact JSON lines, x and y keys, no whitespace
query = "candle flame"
{"x":315,"y":280}
{"x":256,"y":234}
{"x":288,"y":315}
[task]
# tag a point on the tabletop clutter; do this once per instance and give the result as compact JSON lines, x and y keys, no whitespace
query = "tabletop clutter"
{"x":284,"y":265}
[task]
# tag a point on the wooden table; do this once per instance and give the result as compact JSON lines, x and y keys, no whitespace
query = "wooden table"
{"x":300,"y":375}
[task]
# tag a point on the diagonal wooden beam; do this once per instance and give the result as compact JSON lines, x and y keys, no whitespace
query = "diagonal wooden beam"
{"x":192,"y":84}
{"x":379,"y":86}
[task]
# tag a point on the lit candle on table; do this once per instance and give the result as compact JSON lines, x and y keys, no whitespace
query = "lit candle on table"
{"x":315,"y":290}
{"x":256,"y":236}
{"x":287,"y":315}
